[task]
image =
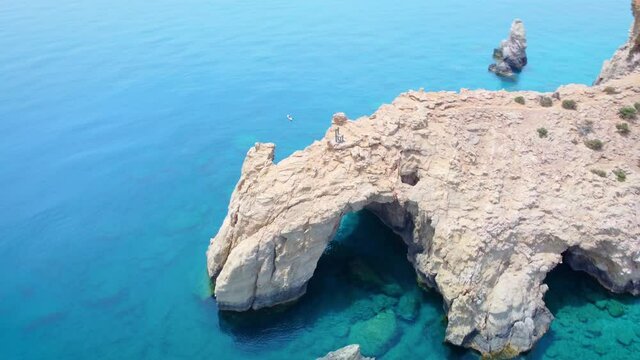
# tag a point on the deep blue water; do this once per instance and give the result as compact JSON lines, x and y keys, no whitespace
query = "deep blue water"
{"x":123,"y":126}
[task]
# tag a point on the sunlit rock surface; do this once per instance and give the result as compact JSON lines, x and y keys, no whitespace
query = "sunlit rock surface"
{"x":511,"y":56}
{"x":486,"y":206}
{"x":350,"y":352}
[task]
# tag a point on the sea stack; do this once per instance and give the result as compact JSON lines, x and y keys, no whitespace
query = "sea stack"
{"x":511,"y":56}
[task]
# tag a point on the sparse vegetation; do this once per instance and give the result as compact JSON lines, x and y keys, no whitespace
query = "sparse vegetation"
{"x":594,"y":144}
{"x":542,"y":132}
{"x":546,"y":101}
{"x":586,"y":127}
{"x":519,"y":100}
{"x":620,"y":175}
{"x":637,"y":106}
{"x":610,"y":90}
{"x":627,"y":113}
{"x":598,"y":172}
{"x":623,"y":128}
{"x":569,"y":104}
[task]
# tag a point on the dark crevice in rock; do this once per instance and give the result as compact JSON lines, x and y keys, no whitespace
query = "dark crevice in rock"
{"x":410,"y":178}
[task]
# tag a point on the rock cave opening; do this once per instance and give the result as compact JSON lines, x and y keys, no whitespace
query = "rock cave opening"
{"x":590,"y":321}
{"x":364,"y":290}
{"x":410,"y":178}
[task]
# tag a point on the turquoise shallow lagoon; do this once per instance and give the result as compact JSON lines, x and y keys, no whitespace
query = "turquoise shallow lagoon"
{"x":123,"y":126}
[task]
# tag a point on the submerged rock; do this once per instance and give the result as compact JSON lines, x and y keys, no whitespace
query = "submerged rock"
{"x":350,"y":352}
{"x":382,"y":302}
{"x":376,"y":334}
{"x":625,"y":335}
{"x":485,"y":206}
{"x":408,"y":306}
{"x":615,"y":309}
{"x":392,"y":289}
{"x":511,"y":56}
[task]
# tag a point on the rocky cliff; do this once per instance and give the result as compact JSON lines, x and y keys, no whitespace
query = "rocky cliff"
{"x":486,"y":206}
{"x":488,"y":194}
{"x":627,"y":59}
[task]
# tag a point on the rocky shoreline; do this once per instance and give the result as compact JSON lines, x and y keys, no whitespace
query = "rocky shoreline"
{"x":489,"y":190}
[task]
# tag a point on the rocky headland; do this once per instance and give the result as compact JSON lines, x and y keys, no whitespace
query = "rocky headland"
{"x":511,"y":56}
{"x":627,"y":58}
{"x":490,"y":190}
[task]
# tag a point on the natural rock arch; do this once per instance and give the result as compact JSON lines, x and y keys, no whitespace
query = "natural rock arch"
{"x":485,"y":205}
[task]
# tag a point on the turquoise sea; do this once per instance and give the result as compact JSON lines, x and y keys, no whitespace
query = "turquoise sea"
{"x":123,"y":126}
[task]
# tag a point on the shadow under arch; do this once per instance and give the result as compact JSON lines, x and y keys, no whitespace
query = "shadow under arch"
{"x":363,"y":273}
{"x":590,"y":321}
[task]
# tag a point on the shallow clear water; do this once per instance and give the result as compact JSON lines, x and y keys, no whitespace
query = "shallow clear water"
{"x":123,"y":125}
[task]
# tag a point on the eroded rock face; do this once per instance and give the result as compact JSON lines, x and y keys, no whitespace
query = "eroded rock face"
{"x":350,"y":352}
{"x":627,"y":59}
{"x":511,"y":56}
{"x":486,"y":206}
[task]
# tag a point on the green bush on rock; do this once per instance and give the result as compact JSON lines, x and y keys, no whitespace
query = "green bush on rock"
{"x":594,"y":144}
{"x":600,"y":173}
{"x":620,"y":175}
{"x":627,"y":113}
{"x":569,"y":104}
{"x":519,"y":100}
{"x":542,"y":132}
{"x":546,"y":101}
{"x":623,"y":128}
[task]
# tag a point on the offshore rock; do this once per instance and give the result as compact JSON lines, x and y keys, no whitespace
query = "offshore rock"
{"x":511,"y":56}
{"x":486,"y":207}
{"x":627,"y":59}
{"x":350,"y":352}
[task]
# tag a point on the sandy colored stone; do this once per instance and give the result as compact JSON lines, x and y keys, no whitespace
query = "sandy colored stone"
{"x":350,"y":352}
{"x":486,"y":207}
{"x":626,"y":59}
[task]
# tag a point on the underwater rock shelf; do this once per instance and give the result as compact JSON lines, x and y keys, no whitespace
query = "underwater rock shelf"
{"x":484,"y":202}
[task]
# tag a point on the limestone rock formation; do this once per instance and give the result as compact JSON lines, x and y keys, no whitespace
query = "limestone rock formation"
{"x":486,"y":206}
{"x":511,"y":56}
{"x":350,"y":352}
{"x":627,"y":59}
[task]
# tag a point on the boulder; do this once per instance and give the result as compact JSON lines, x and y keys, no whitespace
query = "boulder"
{"x":349,"y":352}
{"x":408,"y":306}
